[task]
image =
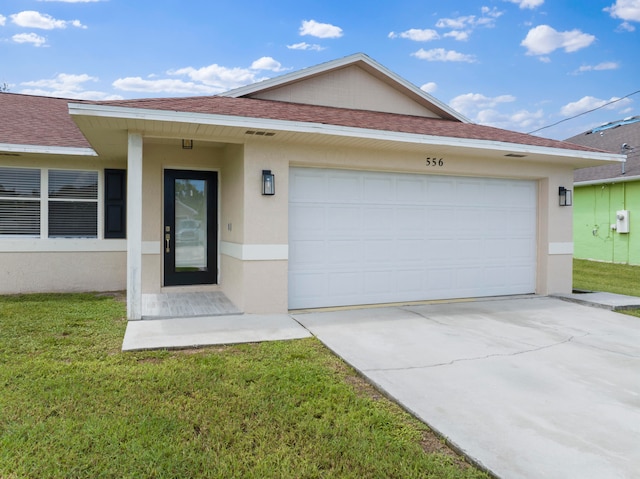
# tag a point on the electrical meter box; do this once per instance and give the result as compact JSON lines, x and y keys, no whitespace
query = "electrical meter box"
{"x":622,"y":221}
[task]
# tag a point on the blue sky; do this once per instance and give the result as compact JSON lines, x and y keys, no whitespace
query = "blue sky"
{"x":515,"y":64}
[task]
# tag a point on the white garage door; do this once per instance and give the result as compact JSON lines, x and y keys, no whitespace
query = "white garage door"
{"x":366,"y":237}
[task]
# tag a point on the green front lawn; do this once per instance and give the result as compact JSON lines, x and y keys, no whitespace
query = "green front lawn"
{"x":73,"y":406}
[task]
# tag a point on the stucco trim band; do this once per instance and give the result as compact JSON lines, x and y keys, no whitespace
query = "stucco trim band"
{"x":255,"y":252}
{"x":560,"y":248}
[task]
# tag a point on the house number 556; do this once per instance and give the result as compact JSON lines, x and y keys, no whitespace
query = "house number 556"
{"x":434,"y":162}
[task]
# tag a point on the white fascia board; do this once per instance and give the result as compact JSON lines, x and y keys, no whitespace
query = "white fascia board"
{"x":127,"y":113}
{"x":608,"y":181}
{"x":47,"y":150}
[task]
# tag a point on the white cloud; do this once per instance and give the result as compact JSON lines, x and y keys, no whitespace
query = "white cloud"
{"x":3,"y":20}
{"x":217,"y":77}
{"x":628,"y":10}
{"x":429,"y":87}
{"x":470,"y":104}
{"x":543,"y":40}
{"x":417,"y":35}
{"x":63,"y":81}
{"x":599,"y":67}
{"x":588,"y":103}
{"x":458,"y":35}
{"x":626,"y":27}
{"x":267,"y":63}
{"x":456,"y":23}
{"x":166,"y":85}
{"x":461,"y":27}
{"x":484,"y":110}
{"x":67,"y":86}
{"x":35,"y":40}
{"x":33,"y":19}
{"x":442,"y":55}
{"x":320,"y":30}
{"x":207,"y":80}
{"x":305,"y":46}
{"x":531,"y":4}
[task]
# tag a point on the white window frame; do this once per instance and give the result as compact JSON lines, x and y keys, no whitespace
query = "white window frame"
{"x":44,"y":205}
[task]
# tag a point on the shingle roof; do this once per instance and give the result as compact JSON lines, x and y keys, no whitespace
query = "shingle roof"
{"x":278,"y":110}
{"x":610,"y":138}
{"x":38,"y":121}
{"x":45,"y":121}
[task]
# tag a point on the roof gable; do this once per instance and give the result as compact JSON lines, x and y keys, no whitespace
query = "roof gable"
{"x":354,"y":82}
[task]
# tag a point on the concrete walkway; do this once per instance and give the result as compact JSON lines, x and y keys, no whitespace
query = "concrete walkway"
{"x":529,"y":388}
{"x":173,"y":333}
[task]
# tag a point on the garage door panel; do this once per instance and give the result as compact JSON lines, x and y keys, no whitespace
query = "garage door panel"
{"x":345,"y":284}
{"x":342,"y":218}
{"x":369,"y":237}
{"x":376,"y":219}
{"x":345,"y":252}
{"x":378,"y":189}
{"x":440,"y":222}
{"x":304,"y":254}
{"x":309,"y":220}
{"x":380,"y":252}
{"x":344,"y":189}
{"x":408,"y":189}
{"x":409,"y":220}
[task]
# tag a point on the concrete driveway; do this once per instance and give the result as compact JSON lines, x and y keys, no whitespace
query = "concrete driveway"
{"x":529,"y":387}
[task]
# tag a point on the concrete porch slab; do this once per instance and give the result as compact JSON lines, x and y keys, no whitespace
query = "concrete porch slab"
{"x":176,"y":333}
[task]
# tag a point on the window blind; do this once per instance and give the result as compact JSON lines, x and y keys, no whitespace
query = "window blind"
{"x":19,"y":201}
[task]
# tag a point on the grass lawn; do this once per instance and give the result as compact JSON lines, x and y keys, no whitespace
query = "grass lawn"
{"x":72,"y":405}
{"x":607,"y":277}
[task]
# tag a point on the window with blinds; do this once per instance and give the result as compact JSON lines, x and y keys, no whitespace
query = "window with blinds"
{"x":73,"y":204}
{"x":20,"y":201}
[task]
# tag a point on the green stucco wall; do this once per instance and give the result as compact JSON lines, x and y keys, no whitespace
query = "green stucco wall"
{"x":594,"y":211}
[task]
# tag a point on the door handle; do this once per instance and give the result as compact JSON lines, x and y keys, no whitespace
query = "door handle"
{"x":167,"y":243}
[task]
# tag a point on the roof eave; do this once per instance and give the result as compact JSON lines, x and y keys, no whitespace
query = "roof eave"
{"x":608,"y":181}
{"x":127,"y":113}
{"x":46,"y":150}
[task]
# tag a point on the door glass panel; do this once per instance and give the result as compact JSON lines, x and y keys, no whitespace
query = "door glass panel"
{"x":190,"y":225}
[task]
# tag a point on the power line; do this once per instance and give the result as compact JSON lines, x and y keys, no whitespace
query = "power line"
{"x":583,"y":113}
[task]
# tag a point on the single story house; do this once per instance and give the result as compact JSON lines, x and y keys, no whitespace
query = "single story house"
{"x":607,"y":197}
{"x":340,"y":184}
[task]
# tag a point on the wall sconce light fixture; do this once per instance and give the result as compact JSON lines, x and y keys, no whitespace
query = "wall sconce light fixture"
{"x":187,"y":144}
{"x":565,"y":196}
{"x":268,"y":183}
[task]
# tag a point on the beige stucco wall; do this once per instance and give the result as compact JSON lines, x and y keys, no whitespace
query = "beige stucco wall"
{"x":349,"y":87}
{"x":36,"y":272}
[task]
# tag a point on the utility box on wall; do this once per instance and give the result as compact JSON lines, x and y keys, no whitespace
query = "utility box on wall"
{"x":622,"y":221}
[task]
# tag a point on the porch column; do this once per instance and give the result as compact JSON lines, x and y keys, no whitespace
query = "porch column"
{"x":134,"y":226}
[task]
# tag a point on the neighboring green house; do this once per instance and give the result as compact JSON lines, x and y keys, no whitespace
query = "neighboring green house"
{"x":606,"y":200}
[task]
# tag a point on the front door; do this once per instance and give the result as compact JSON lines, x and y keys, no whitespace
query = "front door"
{"x":190,"y":227}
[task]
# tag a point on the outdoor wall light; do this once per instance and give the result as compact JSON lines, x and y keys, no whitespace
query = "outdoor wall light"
{"x":187,"y":144}
{"x":565,"y":196}
{"x":268,"y":183}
